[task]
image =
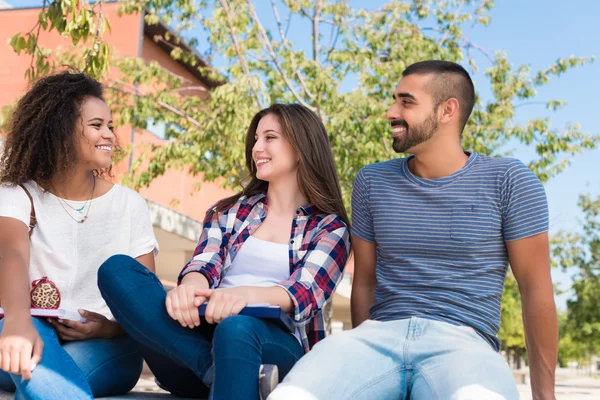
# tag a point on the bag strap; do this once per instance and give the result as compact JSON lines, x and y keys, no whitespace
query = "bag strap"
{"x":32,"y":218}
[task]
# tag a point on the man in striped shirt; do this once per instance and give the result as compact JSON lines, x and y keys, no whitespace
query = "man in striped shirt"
{"x":433,"y":235}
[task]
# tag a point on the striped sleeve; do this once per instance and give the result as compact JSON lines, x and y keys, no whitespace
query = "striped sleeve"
{"x":209,"y":254}
{"x":311,"y":285}
{"x":362,"y":222}
{"x":525,"y":207}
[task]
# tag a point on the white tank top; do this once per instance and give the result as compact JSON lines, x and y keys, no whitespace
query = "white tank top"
{"x":259,"y":263}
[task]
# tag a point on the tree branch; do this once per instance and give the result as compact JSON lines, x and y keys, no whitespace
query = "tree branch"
{"x":531,"y":103}
{"x":333,"y":39}
{"x":315,"y":32}
{"x":305,"y":13}
{"x":315,"y":21}
{"x":447,"y":33}
{"x":96,"y":36}
{"x":279,"y":24}
{"x":159,"y":102}
{"x":273,"y":55}
{"x":37,"y":37}
{"x":288,"y":24}
{"x":241,"y":58}
{"x":483,"y":51}
{"x":190,"y":88}
{"x":285,"y":44}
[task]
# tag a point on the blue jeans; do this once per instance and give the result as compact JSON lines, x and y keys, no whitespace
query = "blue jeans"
{"x":412,"y":358}
{"x":182,"y":359}
{"x":77,"y":370}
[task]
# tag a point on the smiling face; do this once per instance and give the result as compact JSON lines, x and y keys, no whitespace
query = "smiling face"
{"x":413,"y":116}
{"x":96,"y":143}
{"x":273,"y":154}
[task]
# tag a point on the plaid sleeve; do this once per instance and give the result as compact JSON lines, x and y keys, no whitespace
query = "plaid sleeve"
{"x":209,"y":254}
{"x":311,"y":285}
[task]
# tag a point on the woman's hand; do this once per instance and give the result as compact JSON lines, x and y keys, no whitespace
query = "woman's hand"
{"x":20,"y":348}
{"x":181,"y":301}
{"x":222,"y":303}
{"x":181,"y":306}
{"x":97,"y":326}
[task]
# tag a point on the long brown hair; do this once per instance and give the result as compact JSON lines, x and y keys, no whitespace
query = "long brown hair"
{"x":317,"y":176}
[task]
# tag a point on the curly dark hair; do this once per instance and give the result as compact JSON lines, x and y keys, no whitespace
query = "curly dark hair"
{"x":42,"y":130}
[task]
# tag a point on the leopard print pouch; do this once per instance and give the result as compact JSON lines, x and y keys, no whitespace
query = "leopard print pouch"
{"x":44,"y":294}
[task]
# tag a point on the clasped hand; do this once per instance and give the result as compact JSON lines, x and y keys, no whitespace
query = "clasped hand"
{"x":183,"y":301}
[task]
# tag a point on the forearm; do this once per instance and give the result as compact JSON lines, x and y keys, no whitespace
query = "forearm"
{"x":196,"y":279}
{"x":14,"y":286}
{"x":541,"y":332}
{"x":274,"y":295}
{"x":361,"y":300}
{"x":112,"y":329}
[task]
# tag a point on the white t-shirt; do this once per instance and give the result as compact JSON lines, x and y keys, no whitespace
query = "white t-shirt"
{"x":69,"y":253}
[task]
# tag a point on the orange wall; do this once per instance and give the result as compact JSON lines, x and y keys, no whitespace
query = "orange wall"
{"x":124,"y":36}
{"x":176,"y":188}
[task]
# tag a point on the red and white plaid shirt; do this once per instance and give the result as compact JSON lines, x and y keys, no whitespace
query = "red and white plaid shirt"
{"x":319,"y":248}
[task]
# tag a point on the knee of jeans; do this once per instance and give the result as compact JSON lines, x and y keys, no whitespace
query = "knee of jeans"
{"x":112,"y":270}
{"x":234,"y":328}
{"x":43,"y":327}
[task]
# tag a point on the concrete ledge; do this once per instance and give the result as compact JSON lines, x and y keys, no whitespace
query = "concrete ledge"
{"x":174,"y":222}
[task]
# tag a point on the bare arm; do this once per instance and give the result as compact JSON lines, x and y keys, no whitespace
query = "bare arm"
{"x":530,"y":262}
{"x":364,"y":280}
{"x":147,"y":260}
{"x":14,"y":269}
{"x":275,"y":296}
{"x":20,"y":344}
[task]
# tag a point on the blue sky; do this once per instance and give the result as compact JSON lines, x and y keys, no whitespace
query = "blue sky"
{"x":535,"y":32}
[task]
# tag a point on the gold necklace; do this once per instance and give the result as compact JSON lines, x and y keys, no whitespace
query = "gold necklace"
{"x":86,"y":202}
{"x":83,"y":218}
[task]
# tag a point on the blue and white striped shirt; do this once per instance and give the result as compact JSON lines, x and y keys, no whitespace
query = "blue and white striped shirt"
{"x":440,"y":242}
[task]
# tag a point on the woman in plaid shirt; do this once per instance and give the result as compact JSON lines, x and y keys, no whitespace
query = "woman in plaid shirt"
{"x":283,"y":240}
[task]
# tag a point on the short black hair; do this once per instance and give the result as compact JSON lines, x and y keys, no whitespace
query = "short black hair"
{"x":450,"y":80}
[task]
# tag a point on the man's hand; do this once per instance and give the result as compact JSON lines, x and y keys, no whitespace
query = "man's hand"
{"x":222,"y":303}
{"x":20,"y":348}
{"x":96,"y":326}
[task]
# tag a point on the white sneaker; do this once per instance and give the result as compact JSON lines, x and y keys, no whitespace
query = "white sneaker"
{"x":268,"y":378}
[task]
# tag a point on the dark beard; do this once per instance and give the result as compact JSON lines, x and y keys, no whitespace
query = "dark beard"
{"x":416,"y":135}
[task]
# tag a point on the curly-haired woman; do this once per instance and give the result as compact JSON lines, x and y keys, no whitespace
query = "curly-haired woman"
{"x":59,"y":146}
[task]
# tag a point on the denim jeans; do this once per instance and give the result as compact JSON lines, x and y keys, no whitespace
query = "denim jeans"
{"x":412,"y":358}
{"x":77,"y":370}
{"x":182,"y":359}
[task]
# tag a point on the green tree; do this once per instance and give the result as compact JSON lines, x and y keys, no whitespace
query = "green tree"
{"x":262,"y":66}
{"x":512,"y":332}
{"x":580,"y":254}
{"x":569,"y":348}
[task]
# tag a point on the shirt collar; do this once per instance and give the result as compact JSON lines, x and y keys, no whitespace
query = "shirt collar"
{"x":305,"y":210}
